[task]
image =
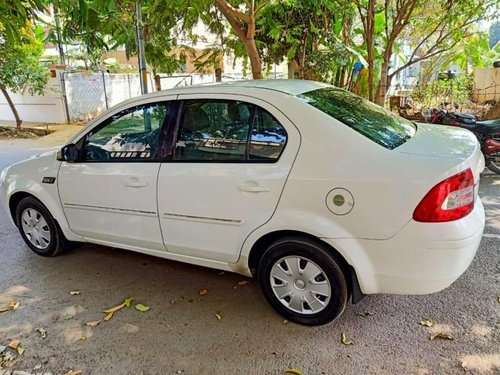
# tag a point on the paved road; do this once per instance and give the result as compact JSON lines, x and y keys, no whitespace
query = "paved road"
{"x":181,"y":333}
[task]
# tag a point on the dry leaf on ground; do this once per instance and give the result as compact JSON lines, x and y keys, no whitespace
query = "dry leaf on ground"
{"x":218,"y":315}
{"x":42,"y":332}
{"x":365,"y":313}
{"x":71,"y":372}
{"x":108,"y":316}
{"x":74,"y":292}
{"x":243,"y":282}
{"x":141,"y":307}
{"x":344,"y":340}
{"x":426,"y":322}
{"x":441,"y":335}
{"x":11,"y":306}
{"x":203,"y":292}
{"x":20,"y":350}
{"x":293,"y":371}
{"x":14,"y":344}
{"x":93,"y":324}
{"x":112,"y":310}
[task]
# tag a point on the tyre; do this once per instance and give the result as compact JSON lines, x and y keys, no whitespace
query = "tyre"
{"x":39,"y":229}
{"x":303,"y":281}
{"x":494,"y":164}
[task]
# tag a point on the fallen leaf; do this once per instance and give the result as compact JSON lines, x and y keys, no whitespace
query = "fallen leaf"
{"x":20,"y":350}
{"x":74,"y":292}
{"x":141,"y":307}
{"x":221,"y":273}
{"x":108,"y":316}
{"x":293,"y":371}
{"x":203,"y":292}
{"x":112,"y":310}
{"x":55,"y":317}
{"x":426,"y":322}
{"x":42,"y":332}
{"x":464,"y":365}
{"x":71,"y":372}
{"x":218,"y":315}
{"x":441,"y":335}
{"x":344,"y":340}
{"x":83,"y":338}
{"x":14,"y":344}
{"x":285,"y":321}
{"x":93,"y":324}
{"x":243,"y":282}
{"x":365,"y":313}
{"x":69,"y":317}
{"x":11,"y":306}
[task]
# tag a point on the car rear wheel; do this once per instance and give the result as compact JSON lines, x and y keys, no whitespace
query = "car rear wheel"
{"x":39,"y":229}
{"x":303,"y":281}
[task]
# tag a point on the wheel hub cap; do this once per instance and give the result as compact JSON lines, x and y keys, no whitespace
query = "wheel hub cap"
{"x":300,"y":285}
{"x":35,"y":228}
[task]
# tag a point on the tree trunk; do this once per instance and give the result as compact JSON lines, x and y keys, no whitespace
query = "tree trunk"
{"x":254,"y":57}
{"x":157,"y":80}
{"x":384,"y":83}
{"x":218,"y":75}
{"x":371,"y":69}
{"x":291,"y":69}
{"x":12,"y":108}
{"x":244,"y":27}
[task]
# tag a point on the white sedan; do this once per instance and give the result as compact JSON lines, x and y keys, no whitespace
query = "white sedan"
{"x":322,"y":195}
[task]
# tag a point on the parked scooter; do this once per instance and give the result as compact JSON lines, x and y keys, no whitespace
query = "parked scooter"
{"x":487,"y":133}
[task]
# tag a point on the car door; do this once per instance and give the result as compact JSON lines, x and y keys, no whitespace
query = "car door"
{"x":109,"y":194}
{"x":227,"y":170}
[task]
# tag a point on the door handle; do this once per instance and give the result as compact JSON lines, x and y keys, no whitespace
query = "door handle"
{"x":254,"y":189}
{"x":135,"y":183}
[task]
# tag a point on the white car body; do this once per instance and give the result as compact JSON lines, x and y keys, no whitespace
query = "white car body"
{"x":213,"y":214}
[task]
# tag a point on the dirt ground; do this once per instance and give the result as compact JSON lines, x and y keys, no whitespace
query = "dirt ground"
{"x":230,"y":329}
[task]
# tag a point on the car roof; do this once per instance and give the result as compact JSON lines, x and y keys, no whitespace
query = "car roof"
{"x":285,"y":86}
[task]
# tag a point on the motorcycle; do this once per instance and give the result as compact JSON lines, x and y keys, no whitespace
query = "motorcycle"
{"x":487,"y":133}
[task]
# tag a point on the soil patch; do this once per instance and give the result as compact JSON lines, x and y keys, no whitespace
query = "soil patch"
{"x":13,"y":133}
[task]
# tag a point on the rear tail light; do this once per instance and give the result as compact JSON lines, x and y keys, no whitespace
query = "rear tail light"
{"x":449,"y":200}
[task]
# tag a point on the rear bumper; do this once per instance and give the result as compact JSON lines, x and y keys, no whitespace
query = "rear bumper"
{"x":422,"y":258}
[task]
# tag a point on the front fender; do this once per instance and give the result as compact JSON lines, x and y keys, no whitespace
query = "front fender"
{"x":27,"y":177}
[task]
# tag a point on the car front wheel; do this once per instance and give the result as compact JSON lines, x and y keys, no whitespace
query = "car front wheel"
{"x":38,"y":228}
{"x":303,"y":281}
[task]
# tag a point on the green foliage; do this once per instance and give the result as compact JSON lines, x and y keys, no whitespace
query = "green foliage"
{"x":14,"y":15}
{"x":20,"y":62}
{"x":457,"y":90}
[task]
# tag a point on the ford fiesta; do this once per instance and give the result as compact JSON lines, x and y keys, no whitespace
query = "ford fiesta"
{"x":322,"y":195}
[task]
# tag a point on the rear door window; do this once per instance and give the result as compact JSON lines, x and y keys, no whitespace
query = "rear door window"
{"x":228,"y":131}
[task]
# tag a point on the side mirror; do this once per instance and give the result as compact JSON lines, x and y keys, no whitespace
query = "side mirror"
{"x":68,"y":153}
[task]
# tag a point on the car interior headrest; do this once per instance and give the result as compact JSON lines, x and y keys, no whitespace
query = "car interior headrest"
{"x":195,"y":119}
{"x":238,"y":112}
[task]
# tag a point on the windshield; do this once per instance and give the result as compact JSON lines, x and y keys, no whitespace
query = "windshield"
{"x":371,"y":120}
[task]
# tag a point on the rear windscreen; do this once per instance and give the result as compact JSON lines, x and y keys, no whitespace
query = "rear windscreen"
{"x":371,"y":120}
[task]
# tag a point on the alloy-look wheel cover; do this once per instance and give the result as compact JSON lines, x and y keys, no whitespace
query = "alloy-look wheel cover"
{"x":35,"y":228}
{"x":300,"y":285}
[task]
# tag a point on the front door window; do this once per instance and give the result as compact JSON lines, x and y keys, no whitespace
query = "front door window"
{"x":129,"y":135}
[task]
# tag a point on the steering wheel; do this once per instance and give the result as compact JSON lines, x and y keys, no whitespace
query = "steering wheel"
{"x":96,"y":153}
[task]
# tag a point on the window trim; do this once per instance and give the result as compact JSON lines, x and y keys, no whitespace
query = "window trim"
{"x":247,"y":159}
